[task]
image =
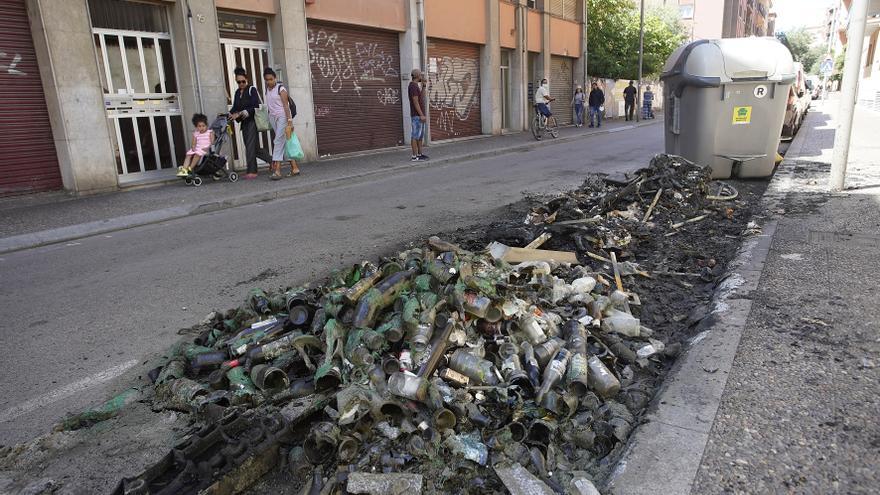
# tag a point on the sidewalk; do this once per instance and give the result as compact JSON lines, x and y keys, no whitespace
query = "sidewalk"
{"x":799,"y":410}
{"x":39,"y":219}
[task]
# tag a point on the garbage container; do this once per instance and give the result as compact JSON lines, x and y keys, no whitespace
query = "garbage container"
{"x":725,"y":103}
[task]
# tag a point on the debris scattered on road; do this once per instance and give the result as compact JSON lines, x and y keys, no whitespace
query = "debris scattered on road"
{"x":453,"y":367}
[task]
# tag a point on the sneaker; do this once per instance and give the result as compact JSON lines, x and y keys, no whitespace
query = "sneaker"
{"x":591,"y":126}
{"x":181,"y":172}
{"x":423,"y":157}
{"x":414,"y":158}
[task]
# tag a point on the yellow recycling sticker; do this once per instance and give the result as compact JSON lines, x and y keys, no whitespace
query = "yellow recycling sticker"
{"x":742,"y":115}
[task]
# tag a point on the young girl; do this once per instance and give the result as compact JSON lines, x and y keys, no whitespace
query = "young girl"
{"x":201,"y":142}
{"x":578,"y":102}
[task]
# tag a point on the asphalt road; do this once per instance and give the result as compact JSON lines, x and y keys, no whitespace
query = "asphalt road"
{"x":80,"y":319}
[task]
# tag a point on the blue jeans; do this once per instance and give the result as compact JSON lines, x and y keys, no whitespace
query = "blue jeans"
{"x":579,"y":113}
{"x":594,"y":112}
{"x":544,"y":109}
{"x":418,"y":129}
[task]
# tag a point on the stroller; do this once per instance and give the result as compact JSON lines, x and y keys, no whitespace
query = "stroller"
{"x":213,"y":164}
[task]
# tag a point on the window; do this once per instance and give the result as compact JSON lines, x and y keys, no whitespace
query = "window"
{"x":687,"y":11}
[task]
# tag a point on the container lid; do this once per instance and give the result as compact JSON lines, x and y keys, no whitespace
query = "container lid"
{"x":732,"y":60}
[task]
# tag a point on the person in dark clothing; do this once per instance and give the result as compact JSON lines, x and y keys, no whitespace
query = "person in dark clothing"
{"x":244,"y":104}
{"x":597,"y":99}
{"x":629,"y":100}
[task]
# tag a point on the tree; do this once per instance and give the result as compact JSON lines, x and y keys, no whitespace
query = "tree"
{"x":802,"y":46}
{"x":613,"y":39}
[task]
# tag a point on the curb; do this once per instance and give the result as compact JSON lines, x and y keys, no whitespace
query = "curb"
{"x":665,"y":452}
{"x":79,"y":231}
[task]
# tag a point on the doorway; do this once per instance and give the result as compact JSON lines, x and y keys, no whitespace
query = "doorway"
{"x":244,"y":42}
{"x":138,"y":76}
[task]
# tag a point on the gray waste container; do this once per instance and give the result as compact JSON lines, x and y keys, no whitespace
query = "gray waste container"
{"x":725,"y":103}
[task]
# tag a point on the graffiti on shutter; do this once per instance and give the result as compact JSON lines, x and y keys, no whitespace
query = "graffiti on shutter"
{"x":356,"y":88}
{"x":351,"y":64}
{"x":453,"y":92}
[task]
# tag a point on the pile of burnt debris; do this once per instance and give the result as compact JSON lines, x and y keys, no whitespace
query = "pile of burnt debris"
{"x":446,"y":368}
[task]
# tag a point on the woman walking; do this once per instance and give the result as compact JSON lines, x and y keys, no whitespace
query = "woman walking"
{"x":578,"y":102}
{"x":282,"y":122}
{"x":244,"y":105}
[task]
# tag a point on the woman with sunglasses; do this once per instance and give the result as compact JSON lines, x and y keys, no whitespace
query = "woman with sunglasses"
{"x":245,"y":103}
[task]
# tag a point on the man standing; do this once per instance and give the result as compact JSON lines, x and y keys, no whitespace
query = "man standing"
{"x":648,"y":104}
{"x":543,"y":98}
{"x":417,"y":114}
{"x":629,"y":99}
{"x":597,"y":99}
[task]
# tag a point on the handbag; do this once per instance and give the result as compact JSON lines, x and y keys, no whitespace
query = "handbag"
{"x":292,"y":149}
{"x":261,"y":113}
{"x":261,"y":118}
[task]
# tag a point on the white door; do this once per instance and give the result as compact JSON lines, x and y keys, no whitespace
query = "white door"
{"x":252,"y":56}
{"x":141,"y":99}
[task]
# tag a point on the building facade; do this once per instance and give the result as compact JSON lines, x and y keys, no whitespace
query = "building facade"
{"x":714,"y":19}
{"x":108,"y":86}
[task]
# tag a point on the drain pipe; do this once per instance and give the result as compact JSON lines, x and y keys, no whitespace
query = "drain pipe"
{"x":195,"y":59}
{"x":423,"y":62}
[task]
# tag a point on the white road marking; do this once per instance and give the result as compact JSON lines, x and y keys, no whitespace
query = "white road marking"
{"x":73,"y":244}
{"x":65,"y":391}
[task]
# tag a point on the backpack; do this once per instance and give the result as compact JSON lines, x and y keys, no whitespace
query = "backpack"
{"x":290,"y":102}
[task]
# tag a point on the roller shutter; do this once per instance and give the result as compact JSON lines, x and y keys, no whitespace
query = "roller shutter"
{"x":561,"y":88}
{"x":454,"y":89}
{"x":356,"y":88}
{"x":28,"y":162}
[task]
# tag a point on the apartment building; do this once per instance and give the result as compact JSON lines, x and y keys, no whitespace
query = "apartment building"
{"x":713,"y":19}
{"x":103,"y":90}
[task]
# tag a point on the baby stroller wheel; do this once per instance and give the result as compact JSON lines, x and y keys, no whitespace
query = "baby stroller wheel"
{"x":233,"y":176}
{"x":197,"y":181}
{"x":216,"y":176}
{"x":188,"y":181}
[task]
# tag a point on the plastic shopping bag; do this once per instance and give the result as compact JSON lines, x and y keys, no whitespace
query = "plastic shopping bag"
{"x":292,"y":149}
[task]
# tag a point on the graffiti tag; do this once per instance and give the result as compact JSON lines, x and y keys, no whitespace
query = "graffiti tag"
{"x":342,"y":63}
{"x":452,"y":91}
{"x":11,"y":67}
{"x":388,"y":96}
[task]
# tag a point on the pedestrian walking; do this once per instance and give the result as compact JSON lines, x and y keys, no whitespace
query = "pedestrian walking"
{"x":281,"y":117}
{"x":629,"y":100}
{"x":417,"y":115}
{"x":648,"y":104}
{"x":244,"y":106}
{"x":596,"y":102}
{"x":578,"y":102}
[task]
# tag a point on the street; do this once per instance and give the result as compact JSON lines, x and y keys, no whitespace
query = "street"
{"x":81,"y":318}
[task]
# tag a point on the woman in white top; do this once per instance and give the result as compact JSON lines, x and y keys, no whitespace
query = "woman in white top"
{"x":282,"y":122}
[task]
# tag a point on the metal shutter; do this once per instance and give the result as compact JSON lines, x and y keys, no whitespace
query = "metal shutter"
{"x":28,"y":162}
{"x":454,"y":89}
{"x":561,"y":88}
{"x":356,"y":88}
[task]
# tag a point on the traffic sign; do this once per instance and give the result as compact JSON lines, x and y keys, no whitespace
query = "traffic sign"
{"x":827,"y":67}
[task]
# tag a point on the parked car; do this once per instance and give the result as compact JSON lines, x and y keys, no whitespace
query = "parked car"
{"x":798,"y":104}
{"x":814,"y":86}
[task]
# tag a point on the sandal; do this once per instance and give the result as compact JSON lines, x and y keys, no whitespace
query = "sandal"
{"x":292,"y":173}
{"x":276,"y":176}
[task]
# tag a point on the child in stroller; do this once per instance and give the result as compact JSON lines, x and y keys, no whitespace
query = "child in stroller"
{"x":205,"y":158}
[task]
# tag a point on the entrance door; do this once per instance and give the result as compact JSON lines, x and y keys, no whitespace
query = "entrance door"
{"x":141,"y":99}
{"x":252,"y":56}
{"x":244,"y":42}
